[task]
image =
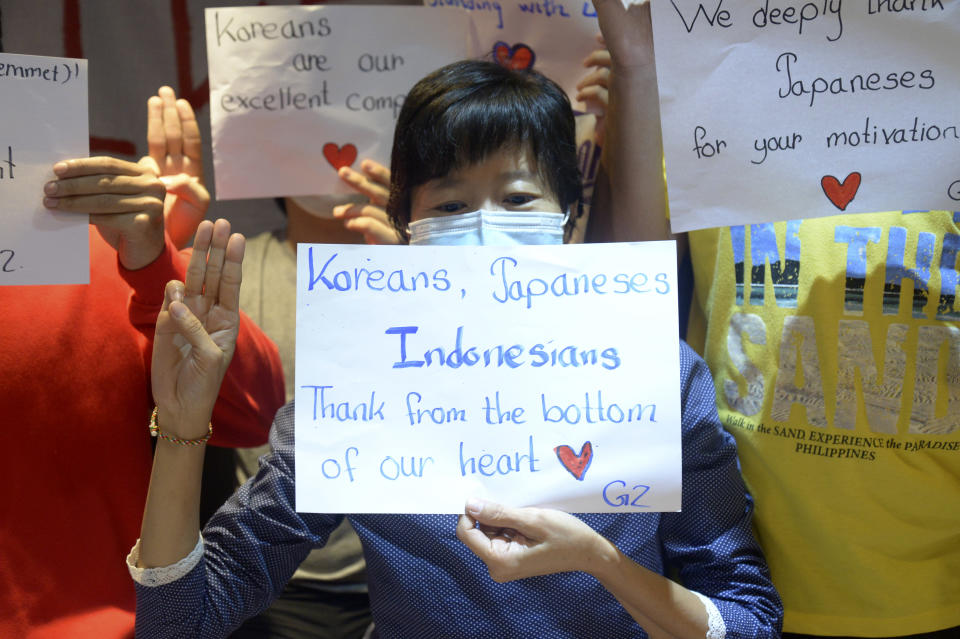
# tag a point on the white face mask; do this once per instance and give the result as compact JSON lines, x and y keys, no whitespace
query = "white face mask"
{"x":490,"y":228}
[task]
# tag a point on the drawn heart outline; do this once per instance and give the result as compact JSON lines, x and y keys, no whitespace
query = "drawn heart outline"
{"x":575,"y":464}
{"x":519,"y":57}
{"x":841,"y":193}
{"x":339,"y":156}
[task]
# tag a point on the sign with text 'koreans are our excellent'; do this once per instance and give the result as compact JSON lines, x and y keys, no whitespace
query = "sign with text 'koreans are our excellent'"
{"x":534,"y":375}
{"x":298,"y":92}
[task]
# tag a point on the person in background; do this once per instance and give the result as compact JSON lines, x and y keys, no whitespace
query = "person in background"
{"x":327,"y":596}
{"x":835,"y":354}
{"x":76,"y":387}
{"x":425,"y":582}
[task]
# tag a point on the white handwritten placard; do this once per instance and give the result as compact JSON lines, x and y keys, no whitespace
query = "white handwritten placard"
{"x":552,"y":36}
{"x":43,"y":119}
{"x":298,"y":92}
{"x":783,"y":109}
{"x":544,"y":375}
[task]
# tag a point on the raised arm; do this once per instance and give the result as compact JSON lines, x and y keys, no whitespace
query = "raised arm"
{"x":196,"y":334}
{"x":630,"y":199}
{"x":176,"y":154}
{"x":516,"y":543}
{"x":726,"y":587}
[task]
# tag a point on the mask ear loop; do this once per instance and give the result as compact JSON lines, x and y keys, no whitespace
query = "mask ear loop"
{"x":566,"y":217}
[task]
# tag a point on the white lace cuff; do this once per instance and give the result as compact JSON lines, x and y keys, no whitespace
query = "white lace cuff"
{"x":151,"y":577}
{"x":716,"y":628}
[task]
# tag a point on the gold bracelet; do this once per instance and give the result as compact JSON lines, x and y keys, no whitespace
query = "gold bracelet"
{"x":155,"y":432}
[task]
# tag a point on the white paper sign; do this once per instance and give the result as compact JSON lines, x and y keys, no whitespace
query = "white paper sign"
{"x":43,"y":119}
{"x":298,"y":92}
{"x":544,"y":375}
{"x":552,"y":36}
{"x":780,"y":109}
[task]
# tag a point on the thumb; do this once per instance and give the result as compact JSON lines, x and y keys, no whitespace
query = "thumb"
{"x":496,"y":515}
{"x":149,"y":163}
{"x":207,"y":353}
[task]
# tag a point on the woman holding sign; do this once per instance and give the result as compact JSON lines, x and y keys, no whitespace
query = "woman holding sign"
{"x":515,"y":153}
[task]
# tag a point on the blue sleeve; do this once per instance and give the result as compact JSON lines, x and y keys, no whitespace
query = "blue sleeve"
{"x":711,"y":542}
{"x":251,"y":547}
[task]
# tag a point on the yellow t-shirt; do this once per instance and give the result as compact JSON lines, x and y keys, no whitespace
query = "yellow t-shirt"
{"x":836,"y":357}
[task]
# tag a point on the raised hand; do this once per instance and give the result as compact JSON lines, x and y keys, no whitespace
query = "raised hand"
{"x":197,"y":332}
{"x":627,"y":34}
{"x":593,"y":90}
{"x":176,"y":154}
{"x":516,"y":543}
{"x":369,"y":219}
{"x":124,"y":200}
{"x":630,"y":198}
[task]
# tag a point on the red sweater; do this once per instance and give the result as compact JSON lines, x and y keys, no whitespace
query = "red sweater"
{"x":74,"y":404}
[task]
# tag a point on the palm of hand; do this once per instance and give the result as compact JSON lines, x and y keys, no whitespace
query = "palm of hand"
{"x":191,"y":354}
{"x":176,"y":152}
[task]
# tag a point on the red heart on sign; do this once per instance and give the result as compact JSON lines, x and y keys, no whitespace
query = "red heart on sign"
{"x":339,"y":156}
{"x":519,"y":56}
{"x":577,"y":465}
{"x":841,"y":194}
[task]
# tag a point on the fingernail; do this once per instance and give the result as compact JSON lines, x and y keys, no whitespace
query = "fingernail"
{"x":50,"y":202}
{"x":60,"y":168}
{"x":343,"y":170}
{"x":50,"y":188}
{"x":474,"y":506}
{"x":178,"y":310}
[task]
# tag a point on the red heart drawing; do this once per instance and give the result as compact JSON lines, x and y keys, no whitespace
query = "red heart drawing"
{"x":577,"y":465}
{"x":519,"y":56}
{"x":339,"y":156}
{"x":840,"y":194}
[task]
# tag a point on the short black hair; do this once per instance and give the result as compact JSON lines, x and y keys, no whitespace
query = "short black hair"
{"x":459,"y":114}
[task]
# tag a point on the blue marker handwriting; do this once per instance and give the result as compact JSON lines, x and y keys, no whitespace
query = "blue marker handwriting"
{"x":473,"y":5}
{"x":503,"y":464}
{"x":372,"y":278}
{"x":511,"y":289}
{"x":616,"y":494}
{"x":325,"y":407}
{"x":499,"y":355}
{"x":595,"y":412}
{"x":548,"y":8}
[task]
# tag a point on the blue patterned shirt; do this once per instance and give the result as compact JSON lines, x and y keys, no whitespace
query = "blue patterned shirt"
{"x":425,"y":583}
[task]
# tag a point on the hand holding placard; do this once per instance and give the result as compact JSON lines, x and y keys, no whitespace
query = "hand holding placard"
{"x":370,"y":219}
{"x":125,"y":200}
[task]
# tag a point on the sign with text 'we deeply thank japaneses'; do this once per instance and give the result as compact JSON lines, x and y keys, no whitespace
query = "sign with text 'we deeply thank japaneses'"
{"x":784,"y":109}
{"x":43,"y":119}
{"x":534,"y":375}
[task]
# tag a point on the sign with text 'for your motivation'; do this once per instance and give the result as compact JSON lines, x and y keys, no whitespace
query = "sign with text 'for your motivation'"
{"x":43,"y":102}
{"x":534,"y":375}
{"x":785,"y":109}
{"x":298,"y":92}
